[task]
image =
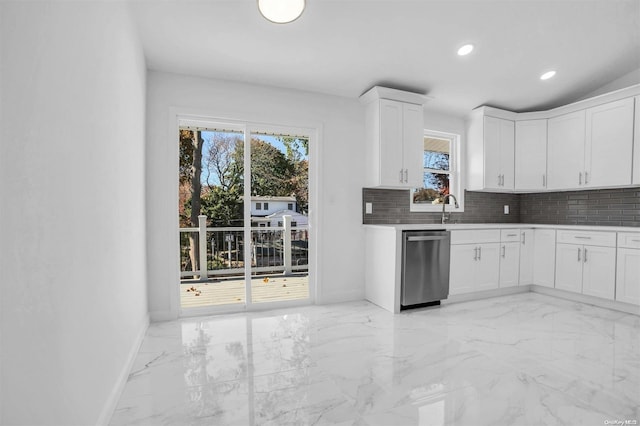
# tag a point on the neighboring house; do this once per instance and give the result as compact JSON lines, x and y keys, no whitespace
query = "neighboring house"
{"x":265,"y":206}
{"x":275,"y":219}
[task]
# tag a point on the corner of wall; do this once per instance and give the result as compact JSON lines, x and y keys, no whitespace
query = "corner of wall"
{"x":114,"y":396}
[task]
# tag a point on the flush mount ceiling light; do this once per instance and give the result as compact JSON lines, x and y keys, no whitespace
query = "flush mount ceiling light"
{"x":547,"y":75}
{"x":465,"y":50}
{"x":281,"y":11}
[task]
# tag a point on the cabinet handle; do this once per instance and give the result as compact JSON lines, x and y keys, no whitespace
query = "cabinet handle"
{"x":579,"y":250}
{"x":580,"y":178}
{"x":585,"y":255}
{"x":475,"y":253}
{"x":544,"y":181}
{"x":512,"y":235}
{"x":498,"y":180}
{"x":400,"y":175}
{"x":406,"y":175}
{"x":504,"y":251}
{"x":636,"y":241}
{"x":524,"y":238}
{"x":479,"y":253}
{"x":582,"y":238}
{"x":586,"y":178}
{"x":502,"y":180}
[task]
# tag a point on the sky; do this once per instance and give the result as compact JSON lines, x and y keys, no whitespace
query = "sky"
{"x":273,"y":140}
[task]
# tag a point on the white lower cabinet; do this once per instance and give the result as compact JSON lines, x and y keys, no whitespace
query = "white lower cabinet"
{"x":569,"y":267}
{"x":462,"y":276}
{"x":509,"y":257}
{"x":628,"y":268}
{"x":599,"y":272}
{"x":526,"y":256}
{"x":544,"y":257}
{"x":509,"y":264}
{"x":586,"y":268}
{"x":475,"y":261}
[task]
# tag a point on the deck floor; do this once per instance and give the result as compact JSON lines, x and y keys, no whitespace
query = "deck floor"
{"x":228,"y":291}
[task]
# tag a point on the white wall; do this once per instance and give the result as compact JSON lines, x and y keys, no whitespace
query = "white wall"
{"x":341,"y":260}
{"x":72,"y":217}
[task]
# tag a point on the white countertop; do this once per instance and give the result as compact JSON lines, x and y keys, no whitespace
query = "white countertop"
{"x":454,"y":226}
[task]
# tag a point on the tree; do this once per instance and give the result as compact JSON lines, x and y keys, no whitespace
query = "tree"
{"x":271,"y":172}
{"x":190,"y":171}
{"x":300,"y":178}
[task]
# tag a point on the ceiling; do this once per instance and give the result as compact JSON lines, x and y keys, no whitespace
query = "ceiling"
{"x":344,"y":47}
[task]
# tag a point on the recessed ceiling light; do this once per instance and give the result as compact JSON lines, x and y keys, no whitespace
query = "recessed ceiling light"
{"x":547,"y":75}
{"x":465,"y":50}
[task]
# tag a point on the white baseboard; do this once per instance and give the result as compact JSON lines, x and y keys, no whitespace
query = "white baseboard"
{"x":575,"y":297}
{"x":497,"y":292}
{"x":112,"y":401}
{"x":590,"y":300}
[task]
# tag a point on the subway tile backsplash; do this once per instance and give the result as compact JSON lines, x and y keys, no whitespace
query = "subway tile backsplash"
{"x":392,"y":206}
{"x":607,"y":207}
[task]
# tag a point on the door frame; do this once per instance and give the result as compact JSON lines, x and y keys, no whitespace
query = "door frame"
{"x":314,"y":132}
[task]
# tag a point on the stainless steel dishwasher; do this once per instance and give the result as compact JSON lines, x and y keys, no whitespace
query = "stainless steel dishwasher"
{"x":425,"y":267}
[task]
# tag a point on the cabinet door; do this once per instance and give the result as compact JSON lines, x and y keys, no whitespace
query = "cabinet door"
{"x":569,"y":267}
{"x":492,"y":172}
{"x":599,"y":271}
{"x":565,"y":151}
{"x":609,"y":144}
{"x":507,"y":153}
{"x":544,"y":257}
{"x":509,"y":264}
{"x":499,"y":140}
{"x":531,"y":155}
{"x":526,"y":257}
{"x":628,"y":276}
{"x":391,"y":168}
{"x":488,"y":267}
{"x":636,"y":144}
{"x":462,"y":272}
{"x":413,"y":144}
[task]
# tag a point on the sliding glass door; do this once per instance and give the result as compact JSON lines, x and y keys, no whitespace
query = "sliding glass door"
{"x":243,"y":209}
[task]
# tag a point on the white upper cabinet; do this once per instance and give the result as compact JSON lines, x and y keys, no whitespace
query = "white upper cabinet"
{"x":531,"y":155}
{"x":565,"y":151}
{"x":490,"y":153}
{"x":636,"y":144}
{"x":395,"y":134}
{"x":593,"y":143}
{"x":609,"y":144}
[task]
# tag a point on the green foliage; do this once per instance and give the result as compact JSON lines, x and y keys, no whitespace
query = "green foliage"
{"x":273,"y":173}
{"x":223,"y":208}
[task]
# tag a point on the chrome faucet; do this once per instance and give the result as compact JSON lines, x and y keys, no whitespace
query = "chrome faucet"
{"x":444,"y":205}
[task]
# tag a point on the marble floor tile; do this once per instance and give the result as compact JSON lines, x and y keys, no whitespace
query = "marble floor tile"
{"x":525,"y":359}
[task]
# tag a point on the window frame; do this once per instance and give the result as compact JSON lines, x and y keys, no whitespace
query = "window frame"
{"x":455,"y":175}
{"x":258,"y":205}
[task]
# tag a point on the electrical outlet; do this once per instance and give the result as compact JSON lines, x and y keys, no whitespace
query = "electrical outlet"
{"x":368,"y":208}
{"x":506,"y":209}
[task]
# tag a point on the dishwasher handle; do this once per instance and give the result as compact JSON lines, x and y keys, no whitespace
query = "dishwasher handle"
{"x":427,"y":238}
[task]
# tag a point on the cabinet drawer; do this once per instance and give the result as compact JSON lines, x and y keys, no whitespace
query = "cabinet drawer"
{"x":606,"y":239}
{"x":509,"y":235}
{"x":629,"y":239}
{"x":475,"y":236}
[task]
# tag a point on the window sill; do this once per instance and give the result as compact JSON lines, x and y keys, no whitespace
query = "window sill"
{"x":434,"y":208}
